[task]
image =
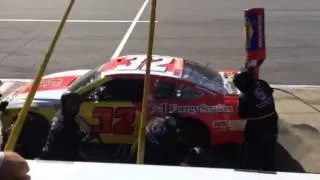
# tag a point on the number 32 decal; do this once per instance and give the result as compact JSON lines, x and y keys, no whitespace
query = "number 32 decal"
{"x":140,"y":62}
{"x":105,"y":116}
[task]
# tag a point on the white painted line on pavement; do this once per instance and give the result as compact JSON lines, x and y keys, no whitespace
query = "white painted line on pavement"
{"x":128,"y":33}
{"x":73,"y":21}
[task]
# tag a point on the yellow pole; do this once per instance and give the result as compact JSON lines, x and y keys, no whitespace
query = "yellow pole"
{"x":23,"y":113}
{"x":144,"y":113}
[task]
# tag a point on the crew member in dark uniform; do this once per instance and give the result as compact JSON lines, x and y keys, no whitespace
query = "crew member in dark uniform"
{"x":161,"y":143}
{"x":256,"y":104}
{"x":170,"y":141}
{"x":63,"y":141}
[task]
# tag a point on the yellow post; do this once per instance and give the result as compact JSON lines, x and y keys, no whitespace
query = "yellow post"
{"x":144,"y":113}
{"x":23,"y":113}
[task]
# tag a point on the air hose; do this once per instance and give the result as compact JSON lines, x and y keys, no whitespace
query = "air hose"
{"x":297,"y":97}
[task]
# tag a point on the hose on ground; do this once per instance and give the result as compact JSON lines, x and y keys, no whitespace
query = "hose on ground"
{"x":297,"y":97}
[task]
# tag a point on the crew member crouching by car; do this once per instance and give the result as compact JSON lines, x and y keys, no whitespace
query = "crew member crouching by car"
{"x":169,"y":141}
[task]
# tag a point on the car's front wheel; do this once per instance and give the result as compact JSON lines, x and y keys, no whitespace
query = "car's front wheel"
{"x":32,"y":136}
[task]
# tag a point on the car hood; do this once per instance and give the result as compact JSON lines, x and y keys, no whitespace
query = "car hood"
{"x":49,"y":91}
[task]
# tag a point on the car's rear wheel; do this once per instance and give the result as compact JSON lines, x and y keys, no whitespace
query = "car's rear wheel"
{"x":32,"y":137}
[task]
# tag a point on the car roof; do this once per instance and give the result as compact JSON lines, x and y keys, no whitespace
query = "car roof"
{"x":136,"y":64}
{"x":166,"y":66}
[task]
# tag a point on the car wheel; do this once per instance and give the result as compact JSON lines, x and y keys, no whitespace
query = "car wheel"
{"x":200,"y":135}
{"x":199,"y":139}
{"x":32,"y":137}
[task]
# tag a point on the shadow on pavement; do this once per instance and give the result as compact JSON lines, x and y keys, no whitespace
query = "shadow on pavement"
{"x":285,"y":162}
{"x":299,"y":148}
{"x":232,"y":156}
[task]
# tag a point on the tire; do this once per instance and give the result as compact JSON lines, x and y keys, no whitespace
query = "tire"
{"x":200,"y":137}
{"x":32,"y":137}
{"x":201,"y":134}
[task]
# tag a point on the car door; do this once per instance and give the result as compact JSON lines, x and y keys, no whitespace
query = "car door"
{"x":191,"y":101}
{"x":175,"y":95}
{"x":110,"y":109}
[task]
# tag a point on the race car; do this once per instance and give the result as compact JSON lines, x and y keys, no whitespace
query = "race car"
{"x":205,"y":98}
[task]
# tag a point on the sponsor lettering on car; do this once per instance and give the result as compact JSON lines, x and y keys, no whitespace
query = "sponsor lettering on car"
{"x":201,"y":108}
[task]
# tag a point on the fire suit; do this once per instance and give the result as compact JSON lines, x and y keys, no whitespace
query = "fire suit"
{"x":168,"y":142}
{"x":64,"y":139}
{"x":257,"y":105}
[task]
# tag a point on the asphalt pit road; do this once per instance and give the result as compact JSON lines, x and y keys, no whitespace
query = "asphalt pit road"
{"x":299,"y":146}
{"x":314,"y":102}
{"x":292,"y":152}
{"x":285,"y":162}
{"x":232,"y":156}
{"x":307,"y":129}
{"x":284,"y":131}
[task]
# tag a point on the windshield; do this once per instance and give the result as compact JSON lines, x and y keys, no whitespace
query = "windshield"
{"x":203,"y":76}
{"x":87,"y":78}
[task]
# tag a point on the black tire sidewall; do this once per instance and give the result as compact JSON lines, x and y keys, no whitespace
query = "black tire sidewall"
{"x":32,"y":136}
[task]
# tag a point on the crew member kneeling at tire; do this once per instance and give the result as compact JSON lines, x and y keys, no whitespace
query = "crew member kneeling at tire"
{"x":256,"y":104}
{"x":169,"y":141}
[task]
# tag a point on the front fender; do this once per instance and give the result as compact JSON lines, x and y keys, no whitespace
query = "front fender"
{"x":36,"y":103}
{"x":10,"y":114}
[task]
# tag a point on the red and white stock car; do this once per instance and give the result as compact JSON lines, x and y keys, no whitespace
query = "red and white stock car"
{"x":114,"y":91}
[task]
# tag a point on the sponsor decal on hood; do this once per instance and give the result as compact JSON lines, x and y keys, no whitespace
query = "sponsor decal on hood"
{"x":54,"y":83}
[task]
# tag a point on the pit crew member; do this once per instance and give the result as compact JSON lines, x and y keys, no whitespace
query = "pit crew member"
{"x":169,"y":141}
{"x":257,"y":105}
{"x":64,"y":138}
